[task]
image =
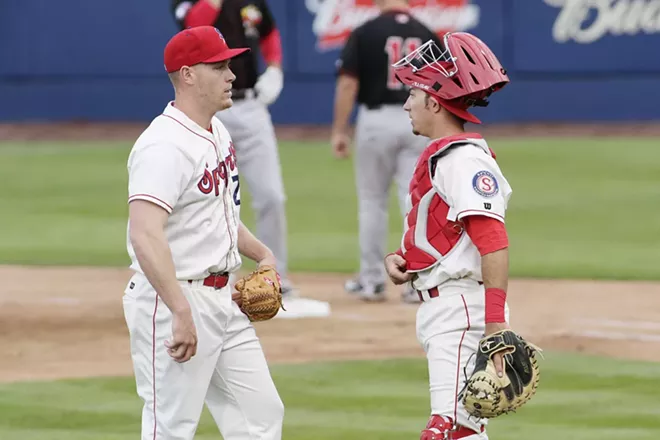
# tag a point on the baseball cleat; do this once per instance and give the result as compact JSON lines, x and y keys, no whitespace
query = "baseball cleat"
{"x":410,"y":296}
{"x":288,"y":291}
{"x":366,"y":292}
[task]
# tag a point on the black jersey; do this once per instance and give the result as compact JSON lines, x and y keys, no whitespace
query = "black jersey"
{"x":242,"y":23}
{"x":373,"y":47}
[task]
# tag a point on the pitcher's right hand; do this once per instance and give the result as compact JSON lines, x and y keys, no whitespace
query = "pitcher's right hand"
{"x":183,"y":345}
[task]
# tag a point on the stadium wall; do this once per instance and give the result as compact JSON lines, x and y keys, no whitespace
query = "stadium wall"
{"x":569,"y":60}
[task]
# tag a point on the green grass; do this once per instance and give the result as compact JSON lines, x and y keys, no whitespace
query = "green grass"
{"x":580,"y":207}
{"x":580,"y":398}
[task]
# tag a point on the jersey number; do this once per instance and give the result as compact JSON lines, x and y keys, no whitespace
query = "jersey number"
{"x":237,"y":198}
{"x":397,"y":48}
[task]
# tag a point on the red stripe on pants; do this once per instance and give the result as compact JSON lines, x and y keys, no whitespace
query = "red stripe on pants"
{"x":458,"y":364}
{"x":153,"y":361}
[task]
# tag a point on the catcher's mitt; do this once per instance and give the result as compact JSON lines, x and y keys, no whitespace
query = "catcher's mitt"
{"x":487,"y":396}
{"x":261,"y":293}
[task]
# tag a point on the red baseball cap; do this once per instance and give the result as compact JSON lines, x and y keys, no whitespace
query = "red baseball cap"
{"x":201,"y":44}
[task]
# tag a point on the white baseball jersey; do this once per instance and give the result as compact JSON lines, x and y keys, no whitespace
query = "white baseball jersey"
{"x":469,"y":180}
{"x":192,"y":174}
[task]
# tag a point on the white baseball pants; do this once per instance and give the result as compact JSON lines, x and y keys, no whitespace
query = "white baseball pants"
{"x":449,"y":329}
{"x":229,"y":371}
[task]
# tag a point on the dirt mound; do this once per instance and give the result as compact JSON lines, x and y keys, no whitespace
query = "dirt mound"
{"x":68,"y":322}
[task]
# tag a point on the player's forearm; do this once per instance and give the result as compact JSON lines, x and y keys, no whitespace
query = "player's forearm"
{"x":251,"y":247}
{"x":345,"y":94}
{"x":155,"y":259}
{"x":495,"y":274}
{"x":495,"y":269}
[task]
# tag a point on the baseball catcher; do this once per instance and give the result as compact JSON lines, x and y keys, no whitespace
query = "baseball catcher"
{"x":486,"y":393}
{"x":455,"y":248}
{"x":259,"y":294}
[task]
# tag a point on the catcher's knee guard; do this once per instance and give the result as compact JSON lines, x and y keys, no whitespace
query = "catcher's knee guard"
{"x":443,"y":428}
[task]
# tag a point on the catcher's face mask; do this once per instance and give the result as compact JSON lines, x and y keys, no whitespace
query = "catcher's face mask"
{"x":460,"y":75}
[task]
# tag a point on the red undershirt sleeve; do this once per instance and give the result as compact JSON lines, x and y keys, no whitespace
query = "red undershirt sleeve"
{"x":271,"y":47}
{"x":201,"y":13}
{"x":487,"y":234}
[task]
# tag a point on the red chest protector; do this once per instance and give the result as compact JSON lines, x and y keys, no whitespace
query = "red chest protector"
{"x":429,"y":235}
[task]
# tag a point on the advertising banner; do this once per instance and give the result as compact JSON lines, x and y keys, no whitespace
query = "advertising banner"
{"x":324,"y":25}
{"x":604,"y":36}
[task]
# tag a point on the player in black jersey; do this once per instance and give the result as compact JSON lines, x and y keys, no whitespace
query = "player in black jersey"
{"x":386,"y":148}
{"x":250,"y":23}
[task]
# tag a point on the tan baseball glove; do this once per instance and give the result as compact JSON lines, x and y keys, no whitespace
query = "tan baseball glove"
{"x":260,"y":294}
{"x":487,"y":396}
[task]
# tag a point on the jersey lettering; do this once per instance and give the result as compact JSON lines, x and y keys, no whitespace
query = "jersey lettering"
{"x":231,"y":160}
{"x":205,"y":184}
{"x":396,"y":48}
{"x":211,"y":179}
{"x":237,"y":197}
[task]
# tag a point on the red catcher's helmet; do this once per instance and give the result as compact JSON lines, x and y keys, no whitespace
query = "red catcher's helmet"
{"x":461,"y":76}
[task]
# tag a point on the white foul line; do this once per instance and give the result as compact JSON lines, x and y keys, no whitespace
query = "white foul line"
{"x":617,"y":336}
{"x":612,"y":323}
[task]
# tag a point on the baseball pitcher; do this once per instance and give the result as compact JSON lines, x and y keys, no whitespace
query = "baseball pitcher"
{"x":192,"y":341}
{"x":455,"y":246}
{"x":250,"y":23}
{"x":385,"y":149}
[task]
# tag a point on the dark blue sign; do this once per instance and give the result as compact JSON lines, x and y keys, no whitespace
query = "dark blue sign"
{"x":80,"y":37}
{"x":586,"y":35}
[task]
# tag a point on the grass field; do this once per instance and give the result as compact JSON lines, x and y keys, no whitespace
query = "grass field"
{"x":570,"y":213}
{"x":581,"y":208}
{"x":358,"y":401}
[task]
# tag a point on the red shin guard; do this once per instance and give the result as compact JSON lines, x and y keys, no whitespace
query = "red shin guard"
{"x":442,"y":428}
{"x":437,"y":428}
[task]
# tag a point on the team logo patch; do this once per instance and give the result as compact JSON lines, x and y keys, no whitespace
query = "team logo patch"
{"x":485,"y":184}
{"x":251,"y":17}
{"x":251,"y":14}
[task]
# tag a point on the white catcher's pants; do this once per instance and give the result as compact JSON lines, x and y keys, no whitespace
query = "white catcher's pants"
{"x":229,"y":371}
{"x":449,"y":328}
